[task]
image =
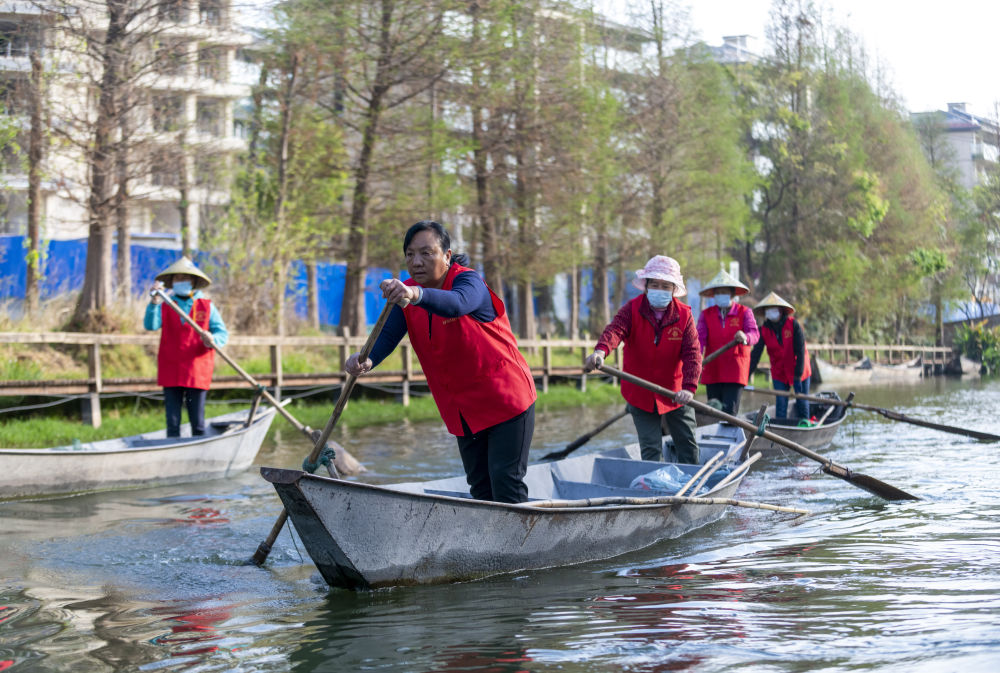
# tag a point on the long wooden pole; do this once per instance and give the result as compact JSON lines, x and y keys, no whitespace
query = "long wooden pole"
{"x":264,"y":549}
{"x":662,"y":500}
{"x":888,"y":413}
{"x":862,"y":481}
{"x":711,"y":356}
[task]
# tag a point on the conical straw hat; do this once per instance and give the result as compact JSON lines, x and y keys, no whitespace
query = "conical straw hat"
{"x":774,"y":300}
{"x":723,"y":279}
{"x":184,"y":265}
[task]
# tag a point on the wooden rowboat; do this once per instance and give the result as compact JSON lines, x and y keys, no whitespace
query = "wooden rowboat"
{"x":227,"y":448}
{"x":911,"y":370}
{"x":812,"y":437}
{"x":363,"y":536}
{"x":857,"y":372}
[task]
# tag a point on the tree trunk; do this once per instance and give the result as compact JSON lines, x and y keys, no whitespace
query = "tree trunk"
{"x":96,"y":294}
{"x":124,"y":261}
{"x":312,"y":294}
{"x":601,"y":311}
{"x":36,"y":153}
{"x":352,"y":313}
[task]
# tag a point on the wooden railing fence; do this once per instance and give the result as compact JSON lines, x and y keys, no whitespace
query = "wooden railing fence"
{"x":95,"y":384}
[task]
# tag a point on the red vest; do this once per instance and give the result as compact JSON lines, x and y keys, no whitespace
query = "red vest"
{"x":733,"y":366}
{"x":657,"y":363}
{"x":782,"y":355}
{"x":183,"y":360}
{"x":473,"y":369}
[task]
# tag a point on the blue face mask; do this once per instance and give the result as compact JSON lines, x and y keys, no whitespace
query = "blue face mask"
{"x":659,"y":298}
{"x":722,"y":300}
{"x":182,"y":288}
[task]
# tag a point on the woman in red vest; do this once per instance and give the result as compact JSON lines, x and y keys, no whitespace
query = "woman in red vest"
{"x":185,"y":361}
{"x":786,"y":349}
{"x":718,"y":325}
{"x":481,"y":383}
{"x":661,"y":346}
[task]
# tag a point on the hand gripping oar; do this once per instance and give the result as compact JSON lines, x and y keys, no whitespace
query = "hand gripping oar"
{"x":582,"y":439}
{"x":708,"y":358}
{"x":862,"y":481}
{"x":264,"y":549}
{"x":261,"y":390}
{"x":888,"y":413}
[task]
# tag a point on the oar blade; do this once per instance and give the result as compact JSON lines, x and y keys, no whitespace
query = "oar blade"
{"x":871,"y":484}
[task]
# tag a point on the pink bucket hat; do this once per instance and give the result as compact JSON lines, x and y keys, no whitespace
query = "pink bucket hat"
{"x":661,"y":267}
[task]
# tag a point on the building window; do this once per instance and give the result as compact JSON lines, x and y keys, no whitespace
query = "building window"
{"x":172,"y":59}
{"x":13,"y":213}
{"x":16,"y":39}
{"x":174,"y":10}
{"x":168,"y":113}
{"x":10,"y":90}
{"x":212,"y":64}
{"x":211,"y":115}
{"x":13,"y":159}
{"x":210,"y":12}
{"x":165,"y":168}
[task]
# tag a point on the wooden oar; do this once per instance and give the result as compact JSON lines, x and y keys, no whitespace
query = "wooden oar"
{"x":582,"y":439}
{"x":264,"y":548}
{"x":888,"y":413}
{"x":862,"y":481}
{"x":310,"y":433}
{"x":708,"y":358}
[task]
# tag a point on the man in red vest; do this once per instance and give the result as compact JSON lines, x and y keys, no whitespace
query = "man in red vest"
{"x":185,"y":360}
{"x":786,"y":349}
{"x":661,"y":346}
{"x":481,"y":383}
{"x":720,"y":324}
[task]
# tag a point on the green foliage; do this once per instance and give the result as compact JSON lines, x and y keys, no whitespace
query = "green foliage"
{"x":980,"y":343}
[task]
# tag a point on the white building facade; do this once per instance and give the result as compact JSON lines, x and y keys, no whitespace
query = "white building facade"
{"x":182,"y":125}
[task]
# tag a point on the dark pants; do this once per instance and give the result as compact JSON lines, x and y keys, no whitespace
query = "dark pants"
{"x":194,"y":399}
{"x":681,"y":424}
{"x":781,"y":403}
{"x":727,"y":393}
{"x":495,"y":459}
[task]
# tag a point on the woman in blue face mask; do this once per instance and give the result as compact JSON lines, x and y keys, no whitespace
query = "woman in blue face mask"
{"x":185,"y":360}
{"x":786,"y":349}
{"x":719,"y":325}
{"x":661,"y":346}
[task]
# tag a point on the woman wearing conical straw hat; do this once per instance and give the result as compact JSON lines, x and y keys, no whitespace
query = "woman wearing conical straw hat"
{"x":185,"y":361}
{"x":718,"y":325}
{"x":786,"y":348}
{"x":661,"y":345}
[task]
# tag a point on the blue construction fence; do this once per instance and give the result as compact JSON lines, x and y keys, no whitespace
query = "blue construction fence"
{"x":65,"y":261}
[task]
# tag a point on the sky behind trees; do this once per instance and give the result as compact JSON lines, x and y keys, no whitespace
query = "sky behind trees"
{"x":935,"y":55}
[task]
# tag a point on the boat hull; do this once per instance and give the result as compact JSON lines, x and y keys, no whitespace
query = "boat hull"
{"x":363,"y":536}
{"x":813,"y":437}
{"x":829,"y":373}
{"x":142,"y":460}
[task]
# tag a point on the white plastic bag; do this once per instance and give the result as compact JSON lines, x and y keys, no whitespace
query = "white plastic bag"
{"x":667,"y":478}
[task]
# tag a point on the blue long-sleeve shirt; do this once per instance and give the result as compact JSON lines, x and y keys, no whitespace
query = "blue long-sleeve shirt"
{"x":153,"y":320}
{"x":468,"y":296}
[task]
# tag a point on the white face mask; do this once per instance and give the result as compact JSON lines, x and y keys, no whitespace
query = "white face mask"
{"x":659,"y":298}
{"x":772,"y":314}
{"x":722,"y":300}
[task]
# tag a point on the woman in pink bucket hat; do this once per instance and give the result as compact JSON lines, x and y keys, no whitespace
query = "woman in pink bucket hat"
{"x":661,"y":346}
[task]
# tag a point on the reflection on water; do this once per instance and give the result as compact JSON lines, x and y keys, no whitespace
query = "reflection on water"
{"x":156,"y":579}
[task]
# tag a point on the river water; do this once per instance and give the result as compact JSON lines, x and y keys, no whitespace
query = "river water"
{"x":155,"y":579}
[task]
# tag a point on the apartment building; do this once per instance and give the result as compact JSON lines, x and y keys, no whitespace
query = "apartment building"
{"x":181,"y":122}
